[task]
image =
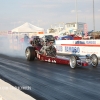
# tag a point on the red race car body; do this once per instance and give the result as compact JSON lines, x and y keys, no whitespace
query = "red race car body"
{"x":73,"y":60}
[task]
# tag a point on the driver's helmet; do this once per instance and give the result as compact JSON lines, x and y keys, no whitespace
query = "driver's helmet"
{"x":50,"y":42}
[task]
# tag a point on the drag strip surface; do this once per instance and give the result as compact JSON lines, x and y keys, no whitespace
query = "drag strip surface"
{"x":51,"y":81}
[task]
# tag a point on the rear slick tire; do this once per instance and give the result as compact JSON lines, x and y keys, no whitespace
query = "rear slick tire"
{"x":30,"y":53}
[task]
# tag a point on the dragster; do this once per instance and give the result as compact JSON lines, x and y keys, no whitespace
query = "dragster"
{"x":33,"y":52}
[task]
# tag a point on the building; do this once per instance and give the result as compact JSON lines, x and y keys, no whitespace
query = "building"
{"x":69,"y":28}
{"x":74,"y":28}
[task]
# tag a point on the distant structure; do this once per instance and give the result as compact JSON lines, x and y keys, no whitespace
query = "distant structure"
{"x":55,"y":30}
{"x":74,"y":28}
{"x":3,"y":32}
{"x":27,"y":28}
{"x":69,"y":28}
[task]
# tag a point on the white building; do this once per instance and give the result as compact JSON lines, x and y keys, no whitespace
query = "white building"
{"x":69,"y":28}
{"x":74,"y":28}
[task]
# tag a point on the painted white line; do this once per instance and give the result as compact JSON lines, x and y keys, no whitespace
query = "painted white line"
{"x":8,"y":92}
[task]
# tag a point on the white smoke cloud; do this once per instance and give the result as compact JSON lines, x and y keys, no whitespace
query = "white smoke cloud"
{"x":12,"y":47}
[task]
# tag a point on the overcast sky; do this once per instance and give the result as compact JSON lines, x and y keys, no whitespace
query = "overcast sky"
{"x":44,"y":13}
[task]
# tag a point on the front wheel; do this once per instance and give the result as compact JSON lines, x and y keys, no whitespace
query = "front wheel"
{"x":94,"y":60}
{"x":30,"y":53}
{"x":73,"y":62}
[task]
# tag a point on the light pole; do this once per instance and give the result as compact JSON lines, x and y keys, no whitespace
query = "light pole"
{"x":76,"y":15}
{"x":93,"y":17}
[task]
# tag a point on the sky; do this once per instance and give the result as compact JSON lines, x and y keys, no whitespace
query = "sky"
{"x":47,"y":13}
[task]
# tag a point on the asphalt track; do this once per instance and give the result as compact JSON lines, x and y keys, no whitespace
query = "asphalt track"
{"x":51,"y":81}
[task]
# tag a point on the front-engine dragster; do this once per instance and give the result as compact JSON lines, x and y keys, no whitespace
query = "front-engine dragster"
{"x":45,"y":51}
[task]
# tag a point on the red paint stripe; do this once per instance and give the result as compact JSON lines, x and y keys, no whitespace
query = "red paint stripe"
{"x":95,"y":45}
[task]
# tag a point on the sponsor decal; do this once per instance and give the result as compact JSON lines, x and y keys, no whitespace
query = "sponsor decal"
{"x":49,"y":60}
{"x":85,"y":42}
{"x":90,"y":42}
{"x":39,"y":56}
{"x":72,"y":49}
{"x":53,"y":61}
{"x":46,"y":60}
